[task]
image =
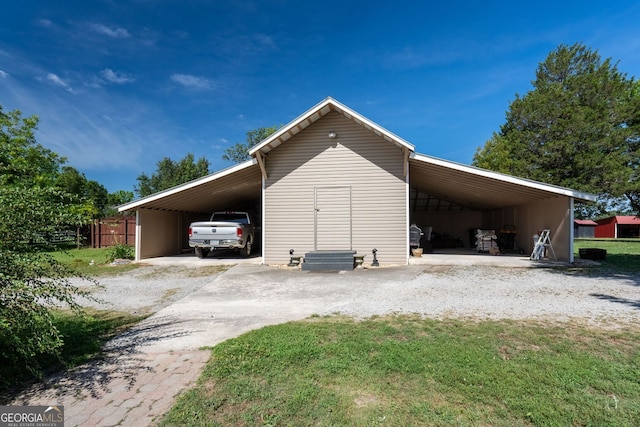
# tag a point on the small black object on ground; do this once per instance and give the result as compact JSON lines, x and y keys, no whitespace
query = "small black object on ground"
{"x":593,"y":254}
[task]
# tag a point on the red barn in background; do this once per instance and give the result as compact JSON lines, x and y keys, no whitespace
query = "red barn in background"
{"x":618,"y":227}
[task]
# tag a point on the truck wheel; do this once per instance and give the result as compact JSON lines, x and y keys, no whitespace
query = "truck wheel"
{"x":246,"y":251}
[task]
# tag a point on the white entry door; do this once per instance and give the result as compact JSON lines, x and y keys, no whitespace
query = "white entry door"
{"x":332,"y":218}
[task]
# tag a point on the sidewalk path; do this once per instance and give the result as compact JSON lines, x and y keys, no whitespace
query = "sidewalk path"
{"x":131,"y":390}
{"x":128,"y":387}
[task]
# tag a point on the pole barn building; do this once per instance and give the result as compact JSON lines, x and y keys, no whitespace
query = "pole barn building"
{"x":332,"y":179}
{"x":618,"y":227}
{"x":584,"y":228}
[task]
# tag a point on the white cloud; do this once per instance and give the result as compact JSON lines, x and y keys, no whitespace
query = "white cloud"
{"x":193,"y":81}
{"x":265,"y":40}
{"x":53,"y":78}
{"x":97,"y":131}
{"x":3,"y":74}
{"x":44,"y":23}
{"x":113,"y":77}
{"x":117,"y":33}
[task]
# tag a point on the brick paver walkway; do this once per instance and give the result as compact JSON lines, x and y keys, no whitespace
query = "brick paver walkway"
{"x":132,"y":389}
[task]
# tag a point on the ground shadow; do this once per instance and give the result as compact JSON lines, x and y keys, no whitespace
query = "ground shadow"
{"x":232,"y":254}
{"x":618,"y":300}
{"x":615,"y":267}
{"x":123,"y":358}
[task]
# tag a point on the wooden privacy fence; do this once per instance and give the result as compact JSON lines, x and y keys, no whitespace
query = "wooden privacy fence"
{"x":112,"y":231}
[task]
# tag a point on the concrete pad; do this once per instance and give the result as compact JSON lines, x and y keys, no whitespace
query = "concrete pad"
{"x":467,"y":257}
{"x":189,"y":259}
{"x":440,"y":257}
{"x":250,"y":296}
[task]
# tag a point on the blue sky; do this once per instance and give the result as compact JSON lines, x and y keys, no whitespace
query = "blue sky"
{"x":118,"y":85}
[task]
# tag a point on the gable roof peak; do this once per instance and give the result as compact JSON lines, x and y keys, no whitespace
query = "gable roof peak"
{"x":315,"y":113}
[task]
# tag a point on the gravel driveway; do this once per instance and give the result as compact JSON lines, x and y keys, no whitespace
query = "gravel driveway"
{"x":505,"y":293}
{"x":149,"y":288}
{"x":199,"y":306}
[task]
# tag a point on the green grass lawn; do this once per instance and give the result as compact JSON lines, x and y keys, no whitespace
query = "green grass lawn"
{"x":90,"y":262}
{"x":410,"y":371}
{"x":622,"y":254}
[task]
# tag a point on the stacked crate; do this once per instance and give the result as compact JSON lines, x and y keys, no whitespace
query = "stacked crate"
{"x":486,"y":241}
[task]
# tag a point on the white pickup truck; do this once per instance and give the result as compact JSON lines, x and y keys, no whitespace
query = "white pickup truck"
{"x":225,"y":230}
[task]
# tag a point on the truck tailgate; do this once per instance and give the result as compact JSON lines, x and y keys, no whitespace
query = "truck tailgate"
{"x":213,"y":230}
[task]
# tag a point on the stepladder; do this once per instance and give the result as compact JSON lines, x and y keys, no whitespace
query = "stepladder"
{"x":542,"y":245}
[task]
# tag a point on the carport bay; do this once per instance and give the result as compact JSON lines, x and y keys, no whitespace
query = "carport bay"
{"x":455,"y":200}
{"x":162,"y":220}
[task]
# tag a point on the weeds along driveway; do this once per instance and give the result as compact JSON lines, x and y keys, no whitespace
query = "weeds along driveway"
{"x":250,"y":296}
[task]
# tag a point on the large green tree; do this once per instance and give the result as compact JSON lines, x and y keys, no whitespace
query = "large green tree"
{"x":578,"y":127}
{"x":239,"y":152}
{"x":22,"y":159}
{"x":31,"y":281}
{"x":93,"y":197}
{"x":117,"y":198}
{"x":171,"y":173}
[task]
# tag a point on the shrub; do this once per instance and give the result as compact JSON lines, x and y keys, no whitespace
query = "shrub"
{"x":120,"y":251}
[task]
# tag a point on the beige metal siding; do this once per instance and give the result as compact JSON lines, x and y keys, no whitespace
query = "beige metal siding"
{"x":356,"y":158}
{"x":553,"y":214}
{"x":160,"y":233}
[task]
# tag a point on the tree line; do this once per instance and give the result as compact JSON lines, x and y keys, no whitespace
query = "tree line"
{"x":170,"y":173}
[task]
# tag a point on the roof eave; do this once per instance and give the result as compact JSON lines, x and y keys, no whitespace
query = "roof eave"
{"x":577,"y":195}
{"x":178,"y":188}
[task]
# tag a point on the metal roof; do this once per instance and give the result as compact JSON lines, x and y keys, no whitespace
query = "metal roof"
{"x":621,"y":219}
{"x":585,"y":222}
{"x":222,"y":190}
{"x":628,"y":220}
{"x":479,"y":189}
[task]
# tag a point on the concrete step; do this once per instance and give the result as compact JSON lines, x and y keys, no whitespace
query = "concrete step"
{"x":328,"y":260}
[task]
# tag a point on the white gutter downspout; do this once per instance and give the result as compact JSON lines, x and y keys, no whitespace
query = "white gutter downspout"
{"x":571,"y":229}
{"x":138,"y":237}
{"x":407,"y":185}
{"x":263,"y":243}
